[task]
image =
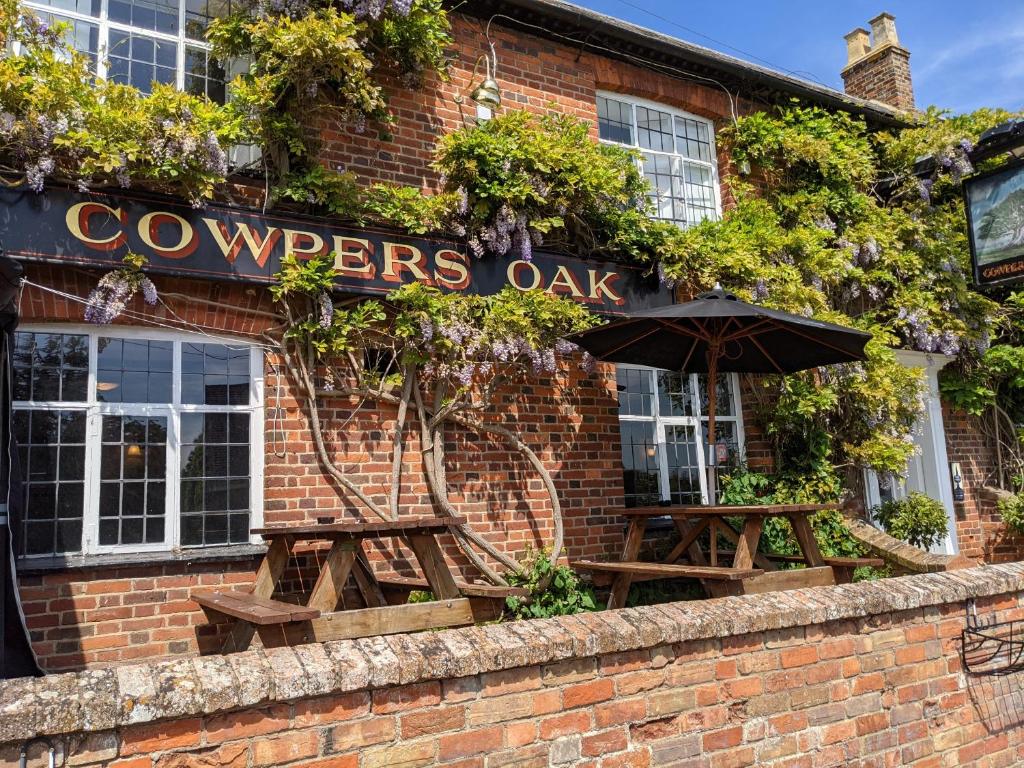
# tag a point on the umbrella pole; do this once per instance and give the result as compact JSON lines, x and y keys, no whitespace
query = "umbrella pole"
{"x":712,"y":456}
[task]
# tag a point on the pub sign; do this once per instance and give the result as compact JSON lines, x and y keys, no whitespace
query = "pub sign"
{"x":228,"y":243}
{"x":995,"y":218}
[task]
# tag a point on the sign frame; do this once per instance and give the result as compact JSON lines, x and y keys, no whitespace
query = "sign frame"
{"x":1012,"y":266}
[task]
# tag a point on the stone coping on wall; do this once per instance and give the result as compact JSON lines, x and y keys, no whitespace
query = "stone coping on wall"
{"x":97,"y":700}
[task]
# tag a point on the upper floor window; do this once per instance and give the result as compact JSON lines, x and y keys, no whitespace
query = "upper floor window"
{"x":678,"y":155}
{"x":139,"y":42}
{"x":135,"y":440}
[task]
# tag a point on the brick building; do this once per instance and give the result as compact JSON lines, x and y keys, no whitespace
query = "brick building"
{"x":152,"y":446}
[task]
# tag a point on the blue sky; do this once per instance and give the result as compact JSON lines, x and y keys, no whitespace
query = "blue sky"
{"x":962,"y":55}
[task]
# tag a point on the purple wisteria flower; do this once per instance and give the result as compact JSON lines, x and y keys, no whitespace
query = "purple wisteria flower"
{"x":149,"y":294}
{"x":326,"y":307}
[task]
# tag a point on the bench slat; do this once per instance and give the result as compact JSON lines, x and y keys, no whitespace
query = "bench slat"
{"x":467,"y":590}
{"x":254,"y":609}
{"x":372,"y":529}
{"x":665,"y":571}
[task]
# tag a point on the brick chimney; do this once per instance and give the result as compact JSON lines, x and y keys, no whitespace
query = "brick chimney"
{"x":877,"y":66}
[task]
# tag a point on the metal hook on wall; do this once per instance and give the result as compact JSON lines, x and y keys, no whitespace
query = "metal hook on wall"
{"x":52,"y":762}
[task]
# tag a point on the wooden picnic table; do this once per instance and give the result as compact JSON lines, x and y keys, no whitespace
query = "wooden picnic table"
{"x":741,"y":570}
{"x":256,"y":611}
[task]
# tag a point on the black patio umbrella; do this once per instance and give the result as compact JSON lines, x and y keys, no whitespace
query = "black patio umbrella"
{"x":718,"y":332}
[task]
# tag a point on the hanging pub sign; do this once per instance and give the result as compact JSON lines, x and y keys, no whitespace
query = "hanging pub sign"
{"x":227,"y":243}
{"x":995,"y":222}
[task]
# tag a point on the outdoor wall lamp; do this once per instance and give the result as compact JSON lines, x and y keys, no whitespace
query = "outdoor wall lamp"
{"x":487,"y":94}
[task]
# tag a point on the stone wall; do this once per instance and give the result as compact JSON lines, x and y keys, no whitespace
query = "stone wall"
{"x":866,"y":674}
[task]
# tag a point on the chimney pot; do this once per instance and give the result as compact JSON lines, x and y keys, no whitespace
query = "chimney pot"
{"x":857,"y":45}
{"x":877,"y":66}
{"x":883,"y":29}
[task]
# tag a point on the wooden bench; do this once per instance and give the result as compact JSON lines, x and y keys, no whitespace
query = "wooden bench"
{"x":326,"y":615}
{"x":644,"y":571}
{"x":262,"y":611}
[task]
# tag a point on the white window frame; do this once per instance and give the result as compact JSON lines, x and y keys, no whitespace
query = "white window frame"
{"x":698,"y":422}
{"x":95,"y":411}
{"x":635,"y":102}
{"x":104,"y":25}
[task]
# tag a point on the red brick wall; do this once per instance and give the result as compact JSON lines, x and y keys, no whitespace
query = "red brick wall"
{"x":534,"y":74}
{"x":980,"y":528}
{"x":882,"y":690}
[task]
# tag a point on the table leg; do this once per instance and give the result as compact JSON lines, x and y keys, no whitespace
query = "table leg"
{"x":434,"y":567}
{"x":367,"y":582}
{"x":267,"y":576}
{"x":760,"y":561}
{"x":713,"y":542}
{"x":630,"y":552}
{"x":746,"y":544}
{"x":333,"y":575}
{"x":686,"y":538}
{"x":805,"y":537}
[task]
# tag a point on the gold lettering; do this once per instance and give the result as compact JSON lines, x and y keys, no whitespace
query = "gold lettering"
{"x":518,"y":266}
{"x":245,"y":236}
{"x":394,"y":264}
{"x":449,"y":262}
{"x":77,"y":220}
{"x":293,"y":238}
{"x":352,"y":257}
{"x":565,"y":282}
{"x":149,"y":227}
{"x":599,"y":287}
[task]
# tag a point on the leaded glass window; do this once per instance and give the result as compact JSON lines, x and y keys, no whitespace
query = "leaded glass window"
{"x":677,"y":155}
{"x":135,"y":440}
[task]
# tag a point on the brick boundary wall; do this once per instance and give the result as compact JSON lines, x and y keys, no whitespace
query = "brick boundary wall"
{"x":865,"y":674}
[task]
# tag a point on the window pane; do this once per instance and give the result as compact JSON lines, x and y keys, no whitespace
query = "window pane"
{"x":79,"y":35}
{"x":683,"y":465}
{"x":666,"y":192}
{"x":723,"y":405}
{"x":52,"y":452}
{"x":151,"y":15}
{"x":214,"y":477}
{"x":693,"y":139}
{"x":640,"y":463}
{"x":133,"y":466}
{"x":51,"y":367}
{"x":636,"y":394}
{"x":674,"y":395}
{"x":204,"y":76}
{"x":700,"y":194}
{"x":615,"y":121}
{"x":138,"y":60}
{"x":215,"y":374}
{"x":133,"y":371}
{"x":654,"y":129}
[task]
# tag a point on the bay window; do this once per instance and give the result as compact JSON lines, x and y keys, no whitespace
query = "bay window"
{"x":677,"y":155}
{"x":135,"y":440}
{"x":663,"y":424}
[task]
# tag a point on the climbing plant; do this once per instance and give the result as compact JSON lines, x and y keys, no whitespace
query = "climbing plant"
{"x":833,"y":222}
{"x":449,"y":356}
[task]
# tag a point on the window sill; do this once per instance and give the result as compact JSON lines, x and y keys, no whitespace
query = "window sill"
{"x":226,"y":554}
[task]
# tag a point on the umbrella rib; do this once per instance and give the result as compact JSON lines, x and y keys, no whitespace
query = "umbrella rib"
{"x":680,"y":331}
{"x":822,"y":342}
{"x":693,"y":348}
{"x":760,"y":327}
{"x":767,"y":356}
{"x":633,"y":340}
